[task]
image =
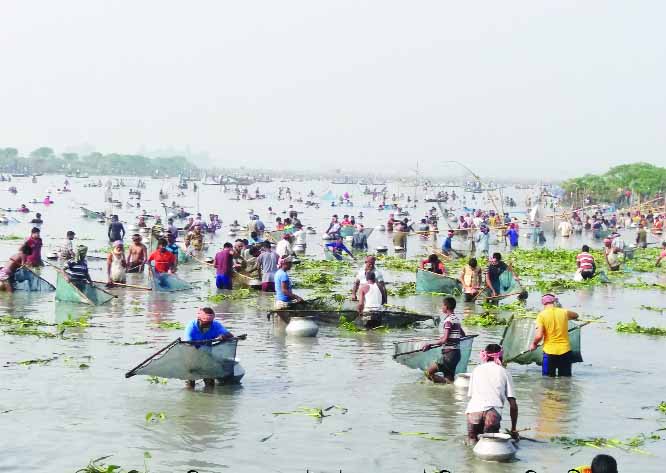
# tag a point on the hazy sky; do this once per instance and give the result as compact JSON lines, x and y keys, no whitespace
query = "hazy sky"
{"x":522,"y":88}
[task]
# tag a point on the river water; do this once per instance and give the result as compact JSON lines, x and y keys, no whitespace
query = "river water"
{"x":79,"y":406}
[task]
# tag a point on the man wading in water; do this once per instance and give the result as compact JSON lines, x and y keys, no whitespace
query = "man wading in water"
{"x":552,"y":326}
{"x":138,"y":253}
{"x":450,"y":341}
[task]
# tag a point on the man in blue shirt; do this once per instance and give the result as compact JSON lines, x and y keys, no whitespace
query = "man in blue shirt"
{"x":206,"y":328}
{"x":283,"y":295}
{"x":512,"y":233}
{"x":337,"y":247}
{"x":447,"y":245}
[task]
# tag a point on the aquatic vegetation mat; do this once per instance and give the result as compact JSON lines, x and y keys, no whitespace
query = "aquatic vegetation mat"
{"x":234,"y":295}
{"x":631,"y":444}
{"x":634,"y":327}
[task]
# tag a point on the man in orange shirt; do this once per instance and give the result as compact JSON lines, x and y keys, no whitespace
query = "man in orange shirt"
{"x":164,"y":260}
{"x":552,"y":326}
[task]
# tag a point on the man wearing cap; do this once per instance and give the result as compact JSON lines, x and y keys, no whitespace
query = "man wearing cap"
{"x":138,"y":253}
{"x":205,"y":328}
{"x":552,"y":326}
{"x":370,"y":266}
{"x":284,"y":297}
{"x":35,"y":243}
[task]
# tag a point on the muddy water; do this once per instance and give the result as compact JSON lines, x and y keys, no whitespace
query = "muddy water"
{"x":59,"y":415}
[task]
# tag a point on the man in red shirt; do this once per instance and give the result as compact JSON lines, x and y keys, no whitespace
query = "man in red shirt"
{"x":585,"y":263}
{"x":164,"y":260}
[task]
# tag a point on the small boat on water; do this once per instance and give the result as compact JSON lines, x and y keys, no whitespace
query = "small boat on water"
{"x":81,"y":292}
{"x":427,"y":281}
{"x":92,"y":214}
{"x":192,"y":361}
{"x":385,"y":318}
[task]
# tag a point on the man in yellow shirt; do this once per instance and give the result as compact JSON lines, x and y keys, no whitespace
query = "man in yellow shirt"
{"x":552,"y":326}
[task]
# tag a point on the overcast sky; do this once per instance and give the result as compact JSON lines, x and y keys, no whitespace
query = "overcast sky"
{"x":528,"y":88}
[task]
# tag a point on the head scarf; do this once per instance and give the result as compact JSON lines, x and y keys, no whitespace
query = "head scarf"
{"x":496,"y":357}
{"x":548,"y":299}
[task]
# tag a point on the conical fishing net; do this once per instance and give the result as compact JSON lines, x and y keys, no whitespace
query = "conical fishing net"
{"x":409,"y":354}
{"x":27,"y":280}
{"x":519,"y":334}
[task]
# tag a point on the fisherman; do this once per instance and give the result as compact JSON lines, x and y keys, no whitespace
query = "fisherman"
{"x":470,"y":278}
{"x":496,"y":268}
{"x":138,"y":253}
{"x":206,"y":328}
{"x":371,"y":297}
{"x":450,"y":343}
{"x":164,"y":262}
{"x":361,"y":278}
{"x":337,"y":247}
{"x":224,"y":267}
{"x":268,"y":265}
{"x":641,"y":236}
{"x":171,"y":230}
{"x":611,"y":255}
{"x":483,"y":240}
{"x":23,"y":209}
{"x":514,"y":237}
{"x":37,"y":220}
{"x":283,"y":247}
{"x":116,"y":230}
{"x":172,"y":246}
{"x":565,"y":228}
{"x":585,"y":263}
{"x":8,"y":271}
{"x":67,"y":248}
{"x":389,"y":223}
{"x":360,"y":239}
{"x":77,"y":268}
{"x":116,"y":264}
{"x":400,"y":232}
{"x":300,"y":238}
{"x":448,"y":243}
{"x":333,"y":229}
{"x":284,"y":297}
{"x":490,"y":386}
{"x":552,"y":326}
{"x":662,"y":254}
{"x":142,"y":222}
{"x":194,"y":239}
{"x":34,"y":259}
{"x":433,"y":264}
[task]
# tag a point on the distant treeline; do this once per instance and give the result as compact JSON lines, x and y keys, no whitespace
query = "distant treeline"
{"x":621,"y":184}
{"x":45,"y":160}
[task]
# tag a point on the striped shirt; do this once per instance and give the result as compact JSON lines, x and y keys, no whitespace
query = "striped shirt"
{"x":585,"y":261}
{"x":452,"y":324}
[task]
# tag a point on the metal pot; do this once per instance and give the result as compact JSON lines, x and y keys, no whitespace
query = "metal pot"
{"x":495,"y":448}
{"x":302,"y":327}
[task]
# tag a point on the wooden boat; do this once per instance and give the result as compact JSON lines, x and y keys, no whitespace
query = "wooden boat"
{"x":92,"y":214}
{"x":427,"y":281}
{"x":385,"y":318}
{"x":82,"y":292}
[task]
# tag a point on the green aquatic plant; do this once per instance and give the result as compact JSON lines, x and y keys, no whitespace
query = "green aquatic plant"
{"x":96,"y":466}
{"x":402,"y":290}
{"x":155,"y":416}
{"x":315,"y":279}
{"x":316,"y":412}
{"x":171,"y":325}
{"x":485,"y":320}
{"x":631,"y":444}
{"x":393,"y":263}
{"x":23,"y":321}
{"x":157,"y":380}
{"x":633,"y":327}
{"x":36,"y":361}
{"x":661,"y":407}
{"x":81,"y":322}
{"x":11,"y":237}
{"x":28,"y":331}
{"x":235,"y":295}
{"x":347,"y":325}
{"x":654,"y":309}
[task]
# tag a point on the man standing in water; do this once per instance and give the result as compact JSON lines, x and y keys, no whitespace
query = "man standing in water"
{"x":370,"y":266}
{"x":284,"y":297}
{"x":34,"y":259}
{"x":138,"y":253}
{"x":224,"y":266}
{"x":206,"y":328}
{"x":8,"y":271}
{"x":552,"y":326}
{"x":450,"y":342}
{"x":268,"y":265}
{"x":489,"y":386}
{"x":116,"y":230}
{"x":641,"y":237}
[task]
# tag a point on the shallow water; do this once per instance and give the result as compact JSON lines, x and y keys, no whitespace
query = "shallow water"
{"x":58,"y":416}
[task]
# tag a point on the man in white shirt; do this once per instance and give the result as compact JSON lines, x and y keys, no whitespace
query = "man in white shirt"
{"x":490,"y":385}
{"x":565,"y":228}
{"x":361,"y":278}
{"x":283,"y":248}
{"x":300,"y":238}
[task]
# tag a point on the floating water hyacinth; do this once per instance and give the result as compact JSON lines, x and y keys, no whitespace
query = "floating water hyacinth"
{"x":631,"y":444}
{"x":633,"y":327}
{"x":171,"y":325}
{"x":155,"y":417}
{"x":236,"y":294}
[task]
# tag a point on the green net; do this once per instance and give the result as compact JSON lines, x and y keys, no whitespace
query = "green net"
{"x":519,"y":334}
{"x":27,"y":280}
{"x":409,"y":354}
{"x":347,"y":231}
{"x":427,"y":281}
{"x":81,"y":292}
{"x":165,"y":282}
{"x":190,"y":360}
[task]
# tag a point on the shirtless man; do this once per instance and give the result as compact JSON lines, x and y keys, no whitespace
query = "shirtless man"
{"x":9,"y":270}
{"x":137,"y":255}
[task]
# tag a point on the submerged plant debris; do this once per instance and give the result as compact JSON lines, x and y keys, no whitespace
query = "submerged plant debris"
{"x":423,"y":435}
{"x":347,"y":325}
{"x":169,"y":325}
{"x":631,"y":444}
{"x":316,"y":412}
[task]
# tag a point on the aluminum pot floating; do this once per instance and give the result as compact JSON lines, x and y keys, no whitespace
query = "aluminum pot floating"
{"x":302,"y":327}
{"x":495,"y":448}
